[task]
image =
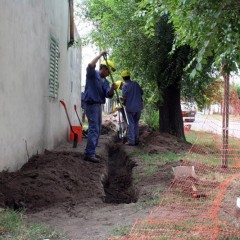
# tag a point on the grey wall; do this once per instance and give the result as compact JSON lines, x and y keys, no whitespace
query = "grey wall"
{"x":30,"y":121}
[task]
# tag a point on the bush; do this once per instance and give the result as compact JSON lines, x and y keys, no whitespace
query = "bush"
{"x":151,"y":118}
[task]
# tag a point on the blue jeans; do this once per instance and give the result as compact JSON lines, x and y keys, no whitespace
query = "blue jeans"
{"x":133,"y":129}
{"x":94,"y":115}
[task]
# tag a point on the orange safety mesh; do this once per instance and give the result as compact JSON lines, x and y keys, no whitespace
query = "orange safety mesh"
{"x":196,"y":206}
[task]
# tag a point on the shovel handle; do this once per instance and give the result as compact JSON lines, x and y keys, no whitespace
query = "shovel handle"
{"x":75,"y":108}
{"x":75,"y":141}
{"x":118,"y":99}
{"x":64,"y":105}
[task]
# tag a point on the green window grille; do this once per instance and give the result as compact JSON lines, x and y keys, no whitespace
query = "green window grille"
{"x":53,"y":78}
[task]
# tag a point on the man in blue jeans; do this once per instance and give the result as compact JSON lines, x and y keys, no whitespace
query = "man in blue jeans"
{"x":132,"y":99}
{"x":97,"y":89}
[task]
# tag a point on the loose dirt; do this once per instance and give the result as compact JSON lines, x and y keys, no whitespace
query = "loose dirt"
{"x":88,"y":201}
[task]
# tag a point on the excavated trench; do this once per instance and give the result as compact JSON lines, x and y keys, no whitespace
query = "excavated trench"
{"x":56,"y":177}
{"x":119,"y":186}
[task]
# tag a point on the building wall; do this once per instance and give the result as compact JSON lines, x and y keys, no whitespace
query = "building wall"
{"x":30,"y":121}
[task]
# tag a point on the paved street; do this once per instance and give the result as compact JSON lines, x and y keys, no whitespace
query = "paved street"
{"x":207,"y":123}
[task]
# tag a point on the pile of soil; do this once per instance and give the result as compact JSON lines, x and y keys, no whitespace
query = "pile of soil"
{"x":51,"y":178}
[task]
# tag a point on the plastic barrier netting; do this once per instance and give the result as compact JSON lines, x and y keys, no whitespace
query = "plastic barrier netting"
{"x":200,"y":203}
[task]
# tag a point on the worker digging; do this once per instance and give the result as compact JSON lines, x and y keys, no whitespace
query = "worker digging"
{"x":97,"y":89}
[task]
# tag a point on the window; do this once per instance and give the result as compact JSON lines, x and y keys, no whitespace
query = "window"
{"x":53,"y":77}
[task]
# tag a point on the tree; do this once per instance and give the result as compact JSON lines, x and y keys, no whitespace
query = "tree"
{"x":146,"y":56}
{"x":213,"y":93}
{"x":210,"y":27}
{"x":238,"y":90}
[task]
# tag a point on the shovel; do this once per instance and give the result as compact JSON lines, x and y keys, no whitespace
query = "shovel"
{"x":75,"y":108}
{"x":118,"y":99}
{"x":123,"y":110}
{"x":75,"y":140}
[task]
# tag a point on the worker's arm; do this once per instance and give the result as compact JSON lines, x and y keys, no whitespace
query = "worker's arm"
{"x":111,"y":91}
{"x":93,"y":63}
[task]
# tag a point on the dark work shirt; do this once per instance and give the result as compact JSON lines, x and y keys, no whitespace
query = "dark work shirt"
{"x":97,"y":88}
{"x":132,"y":92}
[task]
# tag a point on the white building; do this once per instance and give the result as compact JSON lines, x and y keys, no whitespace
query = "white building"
{"x":37,"y":69}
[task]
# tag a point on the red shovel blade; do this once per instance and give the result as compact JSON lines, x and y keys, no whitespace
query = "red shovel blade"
{"x":75,"y":141}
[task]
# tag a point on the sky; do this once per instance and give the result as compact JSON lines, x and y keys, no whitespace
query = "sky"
{"x":89,"y":51}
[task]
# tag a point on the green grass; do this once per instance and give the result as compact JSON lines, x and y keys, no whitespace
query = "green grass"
{"x":121,"y":231}
{"x":161,"y":158}
{"x":13,"y":226}
{"x":209,"y":148}
{"x":155,"y":161}
{"x":208,"y":152}
{"x":211,"y":156}
{"x":207,"y":139}
{"x":152,"y":200}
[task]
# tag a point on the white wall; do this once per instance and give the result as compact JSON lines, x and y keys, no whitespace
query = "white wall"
{"x":29,"y":120}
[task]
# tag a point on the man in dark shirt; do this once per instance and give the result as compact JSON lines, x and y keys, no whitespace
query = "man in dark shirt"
{"x":132,"y":99}
{"x":97,"y":89}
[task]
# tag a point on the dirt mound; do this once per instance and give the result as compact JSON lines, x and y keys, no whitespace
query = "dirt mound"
{"x":86,"y":200}
{"x":155,"y":142}
{"x":51,"y":178}
{"x":58,"y":177}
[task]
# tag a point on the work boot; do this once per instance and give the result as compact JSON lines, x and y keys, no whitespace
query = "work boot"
{"x":92,"y":159}
{"x":129,"y":144}
{"x":97,"y":156}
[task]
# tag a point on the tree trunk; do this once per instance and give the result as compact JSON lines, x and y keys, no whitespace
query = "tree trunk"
{"x":170,"y":115}
{"x":170,"y":119}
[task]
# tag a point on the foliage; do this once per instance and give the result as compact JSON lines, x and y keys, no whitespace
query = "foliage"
{"x":119,"y":31}
{"x":210,"y":27}
{"x":151,"y":118}
{"x":193,"y":89}
{"x":234,"y":100}
{"x":120,"y":27}
{"x":238,"y":90}
{"x":123,"y":33}
{"x":212,"y":94}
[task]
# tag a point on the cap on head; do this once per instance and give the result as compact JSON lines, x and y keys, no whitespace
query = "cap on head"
{"x":125,"y":73}
{"x":119,"y":83}
{"x":111,"y":64}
